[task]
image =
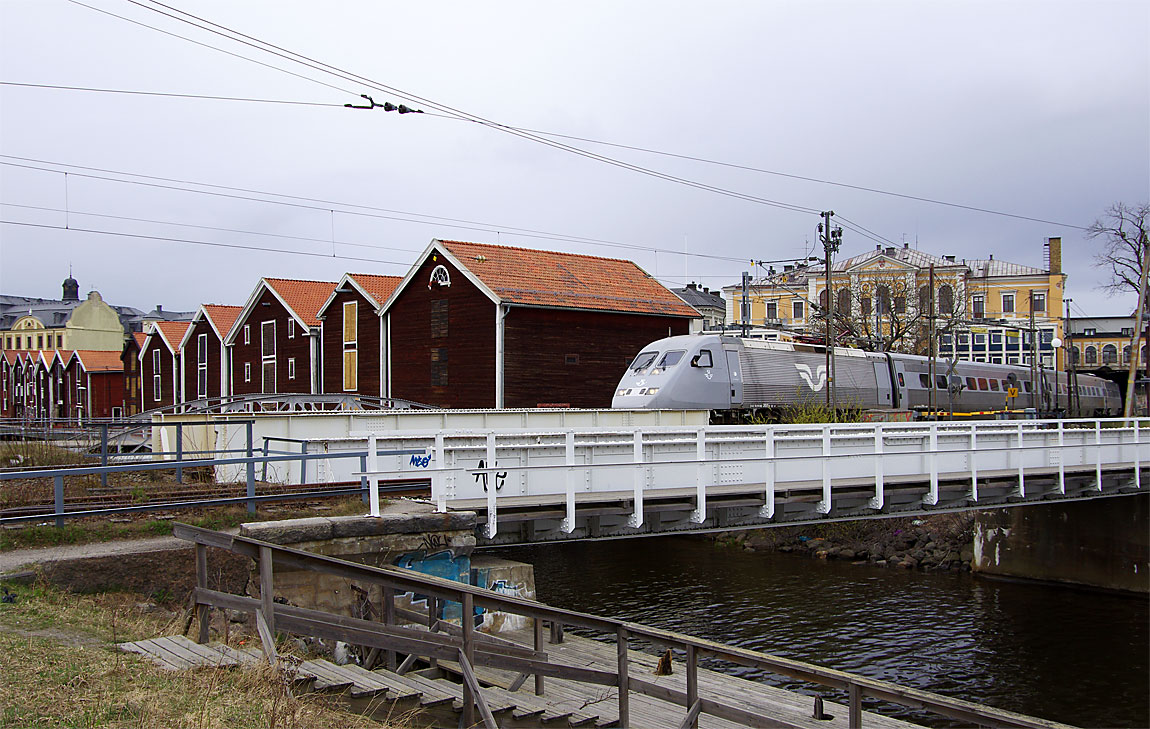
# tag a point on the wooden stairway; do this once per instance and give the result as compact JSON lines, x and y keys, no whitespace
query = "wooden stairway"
{"x":381,"y":694}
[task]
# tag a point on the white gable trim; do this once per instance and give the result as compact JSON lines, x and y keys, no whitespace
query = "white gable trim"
{"x":436,"y":246}
{"x":250,"y":306}
{"x":348,"y":279}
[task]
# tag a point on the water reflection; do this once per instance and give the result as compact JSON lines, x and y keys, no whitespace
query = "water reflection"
{"x":1073,"y":656}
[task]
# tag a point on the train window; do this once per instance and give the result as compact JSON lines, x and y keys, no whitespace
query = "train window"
{"x":702,"y":359}
{"x":643,"y":361}
{"x":670,"y":359}
{"x":924,"y":380}
{"x":994,"y":385}
{"x":940,"y":381}
{"x":1026,"y":386}
{"x":970,"y":385}
{"x":982,"y":384}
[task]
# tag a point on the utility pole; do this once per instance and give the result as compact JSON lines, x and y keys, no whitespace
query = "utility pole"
{"x":745,"y":304}
{"x":931,"y":335}
{"x":1072,"y":379}
{"x":1033,"y":358}
{"x":1144,"y":249}
{"x":831,"y":240}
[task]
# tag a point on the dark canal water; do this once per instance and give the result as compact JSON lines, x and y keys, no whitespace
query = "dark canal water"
{"x":1069,"y":655}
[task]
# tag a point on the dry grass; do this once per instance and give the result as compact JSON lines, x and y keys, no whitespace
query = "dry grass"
{"x":61,"y":669}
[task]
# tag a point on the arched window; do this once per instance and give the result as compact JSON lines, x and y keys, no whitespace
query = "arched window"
{"x":883,"y":300}
{"x":1126,"y":354}
{"x":1075,"y":355}
{"x":1142,"y":357}
{"x":823,"y":302}
{"x":924,"y":300}
{"x":900,"y":304}
{"x":843,"y":306}
{"x":865,"y":306}
{"x":945,"y":299}
{"x":1109,"y":354}
{"x":1091,"y":355}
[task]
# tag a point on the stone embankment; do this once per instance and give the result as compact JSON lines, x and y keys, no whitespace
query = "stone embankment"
{"x":938,"y":543}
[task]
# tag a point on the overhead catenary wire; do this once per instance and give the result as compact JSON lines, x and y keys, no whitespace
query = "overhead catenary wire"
{"x":153,"y":221}
{"x":319,"y":204}
{"x":647,"y":150}
{"x":264,"y":46}
{"x":168,"y":94}
{"x":213,"y":244}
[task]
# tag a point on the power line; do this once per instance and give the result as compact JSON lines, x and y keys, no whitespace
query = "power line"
{"x":646,"y":150}
{"x":206,"y":227}
{"x":158,"y":93}
{"x":326,"y":205}
{"x":266,"y":47}
{"x":213,"y":244}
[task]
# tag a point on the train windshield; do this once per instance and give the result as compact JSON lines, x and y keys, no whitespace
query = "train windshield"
{"x":669,"y":360}
{"x":643,"y":361}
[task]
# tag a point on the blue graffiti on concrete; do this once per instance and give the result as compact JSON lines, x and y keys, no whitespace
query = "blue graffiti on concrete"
{"x":420,"y":461}
{"x":443,"y":564}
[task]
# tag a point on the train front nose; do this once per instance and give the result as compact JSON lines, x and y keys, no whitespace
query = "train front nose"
{"x":640,"y":393}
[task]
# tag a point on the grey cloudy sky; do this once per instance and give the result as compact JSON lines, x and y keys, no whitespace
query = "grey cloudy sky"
{"x":1039,"y":109}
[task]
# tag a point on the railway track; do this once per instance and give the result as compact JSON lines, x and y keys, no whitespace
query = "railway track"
{"x":170,"y":496}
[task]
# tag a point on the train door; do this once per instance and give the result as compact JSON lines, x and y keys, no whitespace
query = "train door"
{"x":883,"y":385}
{"x":736,"y":372}
{"x":897,"y":378}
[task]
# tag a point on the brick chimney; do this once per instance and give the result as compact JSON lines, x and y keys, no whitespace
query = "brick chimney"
{"x":1054,"y":255}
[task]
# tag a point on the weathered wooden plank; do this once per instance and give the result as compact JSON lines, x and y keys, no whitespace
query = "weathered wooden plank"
{"x":159,"y":653}
{"x":210,"y":654}
{"x":473,"y":694}
{"x":150,"y":654}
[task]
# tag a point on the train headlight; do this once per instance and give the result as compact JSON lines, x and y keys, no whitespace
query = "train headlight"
{"x":623,"y":391}
{"x":652,"y":390}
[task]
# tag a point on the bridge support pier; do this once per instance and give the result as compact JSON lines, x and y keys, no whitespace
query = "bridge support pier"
{"x":1099,"y":543}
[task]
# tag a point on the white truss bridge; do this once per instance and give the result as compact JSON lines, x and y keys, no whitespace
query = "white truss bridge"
{"x":531,"y":485}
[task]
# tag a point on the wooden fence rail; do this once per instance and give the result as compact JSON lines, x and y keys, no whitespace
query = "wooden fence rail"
{"x":439,"y":640}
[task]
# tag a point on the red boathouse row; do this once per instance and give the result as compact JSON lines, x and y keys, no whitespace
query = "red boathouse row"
{"x":470,"y":325}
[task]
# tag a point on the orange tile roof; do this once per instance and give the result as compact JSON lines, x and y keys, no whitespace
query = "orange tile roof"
{"x":223,"y":316}
{"x":304,"y":297}
{"x":173,"y":332}
{"x":568,"y":280}
{"x":102,"y":361}
{"x":140,"y":338}
{"x":378,"y":287}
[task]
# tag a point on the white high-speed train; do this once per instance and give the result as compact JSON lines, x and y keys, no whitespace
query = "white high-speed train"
{"x":720,"y":373}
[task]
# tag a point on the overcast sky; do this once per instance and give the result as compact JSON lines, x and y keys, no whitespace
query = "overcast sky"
{"x":1037,"y":109}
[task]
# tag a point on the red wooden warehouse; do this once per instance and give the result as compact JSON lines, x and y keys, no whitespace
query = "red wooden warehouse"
{"x":353,"y":359}
{"x":480,"y":326}
{"x":275,"y":340}
{"x":203,"y":355}
{"x":160,"y":365}
{"x":130,"y":356}
{"x":94,"y":383}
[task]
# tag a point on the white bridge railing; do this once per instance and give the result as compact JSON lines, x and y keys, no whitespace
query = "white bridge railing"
{"x":487,"y":468}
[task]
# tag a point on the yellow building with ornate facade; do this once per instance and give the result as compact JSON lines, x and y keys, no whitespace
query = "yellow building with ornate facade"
{"x":981,"y":309}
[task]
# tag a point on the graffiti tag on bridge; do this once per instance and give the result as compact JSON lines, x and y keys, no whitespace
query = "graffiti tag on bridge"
{"x":420,"y":461}
{"x":500,"y":477}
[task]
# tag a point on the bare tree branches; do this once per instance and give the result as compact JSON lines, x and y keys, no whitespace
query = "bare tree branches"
{"x":1122,"y":231}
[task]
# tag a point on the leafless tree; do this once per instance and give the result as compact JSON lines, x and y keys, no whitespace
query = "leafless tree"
{"x":1122,"y":232}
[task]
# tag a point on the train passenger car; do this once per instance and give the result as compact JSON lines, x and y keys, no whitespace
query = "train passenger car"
{"x":721,"y":373}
